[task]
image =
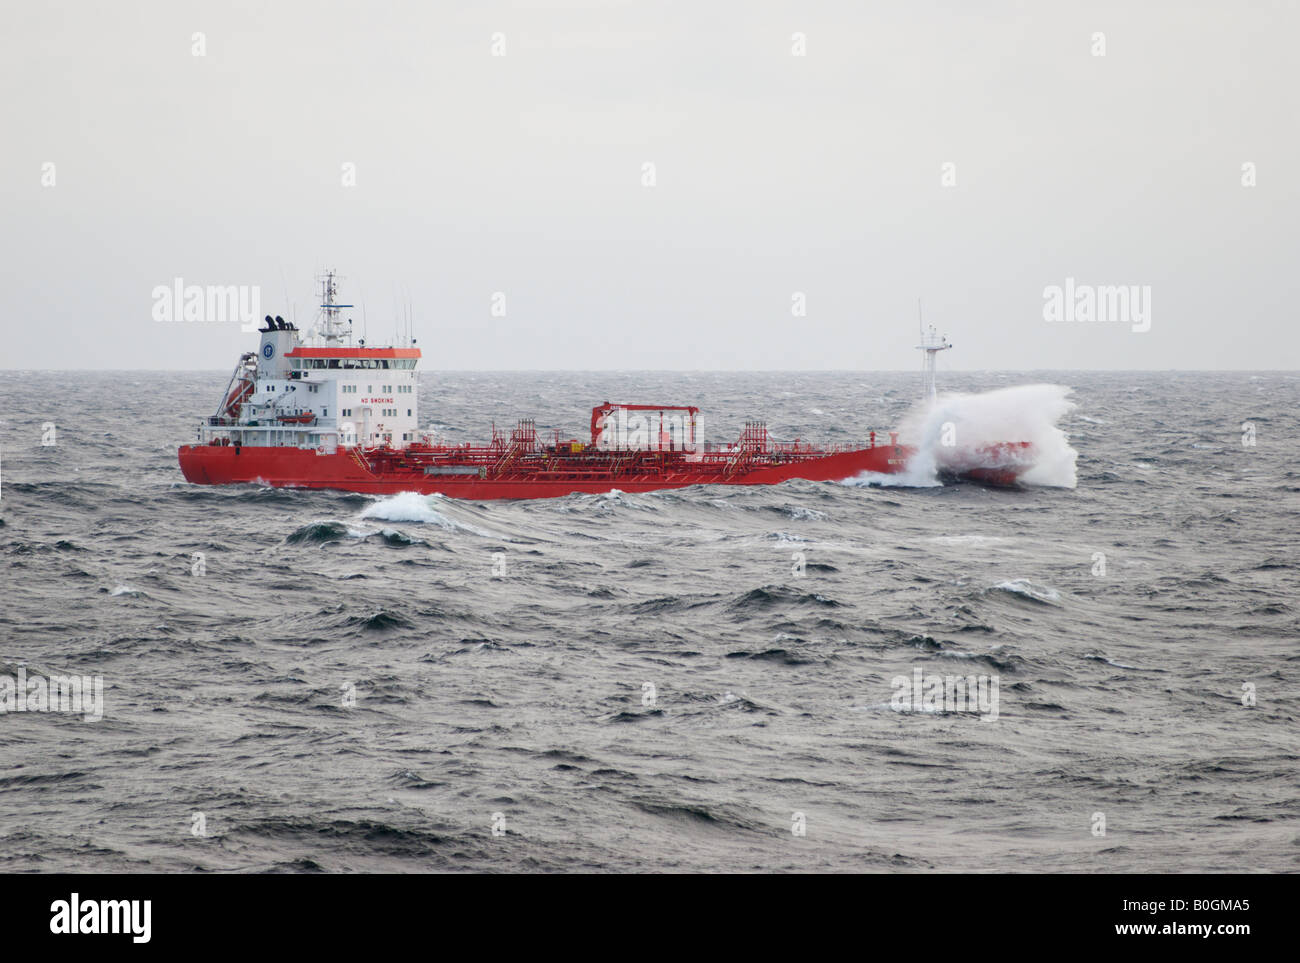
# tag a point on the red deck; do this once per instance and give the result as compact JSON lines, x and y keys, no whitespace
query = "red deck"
{"x":488,"y":473}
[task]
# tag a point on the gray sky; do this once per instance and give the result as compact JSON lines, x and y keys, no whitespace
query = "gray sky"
{"x":776,"y":174}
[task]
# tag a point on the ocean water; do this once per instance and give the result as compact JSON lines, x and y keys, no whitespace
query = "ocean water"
{"x":698,"y":680}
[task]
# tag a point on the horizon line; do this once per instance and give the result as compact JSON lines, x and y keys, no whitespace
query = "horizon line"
{"x":910,"y":370}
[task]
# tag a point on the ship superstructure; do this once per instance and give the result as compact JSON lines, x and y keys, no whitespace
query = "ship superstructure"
{"x":319,"y":391}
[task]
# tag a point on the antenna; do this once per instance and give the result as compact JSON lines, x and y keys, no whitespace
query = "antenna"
{"x":363,"y":310}
{"x":290,"y":306}
{"x":410,"y":314}
{"x":285,"y":283}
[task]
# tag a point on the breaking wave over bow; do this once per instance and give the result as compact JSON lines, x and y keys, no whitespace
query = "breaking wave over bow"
{"x":959,"y":432}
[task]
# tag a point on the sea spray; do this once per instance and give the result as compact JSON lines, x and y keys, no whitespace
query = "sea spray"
{"x":955,"y":432}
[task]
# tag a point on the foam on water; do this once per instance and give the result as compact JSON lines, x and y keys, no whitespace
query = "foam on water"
{"x":914,"y":475}
{"x":975,"y":540}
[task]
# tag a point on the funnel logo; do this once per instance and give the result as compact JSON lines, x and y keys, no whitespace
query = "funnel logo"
{"x":1086,"y":303}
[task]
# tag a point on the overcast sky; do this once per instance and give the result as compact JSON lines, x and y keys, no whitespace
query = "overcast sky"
{"x":775,"y":174}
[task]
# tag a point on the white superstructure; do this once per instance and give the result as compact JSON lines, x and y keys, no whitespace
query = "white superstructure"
{"x":322,"y":391}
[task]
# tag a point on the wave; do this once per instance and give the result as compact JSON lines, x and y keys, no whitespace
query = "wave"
{"x":318,"y":532}
{"x":616,"y":499}
{"x":396,"y":539}
{"x":1026,"y":589}
{"x":772,"y":596}
{"x":958,"y":432}
{"x":797,"y":512}
{"x":414,"y":507}
{"x":1093,"y":657}
{"x":380,"y":620}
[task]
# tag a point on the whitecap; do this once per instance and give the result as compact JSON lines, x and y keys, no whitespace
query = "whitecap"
{"x":414,"y":507}
{"x":1030,"y":590}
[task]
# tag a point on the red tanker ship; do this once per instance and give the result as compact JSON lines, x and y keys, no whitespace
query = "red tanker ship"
{"x":334,"y":415}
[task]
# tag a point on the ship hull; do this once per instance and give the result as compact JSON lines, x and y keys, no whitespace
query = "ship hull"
{"x":290,"y":467}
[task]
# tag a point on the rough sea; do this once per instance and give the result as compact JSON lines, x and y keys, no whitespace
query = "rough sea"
{"x":703,"y":679}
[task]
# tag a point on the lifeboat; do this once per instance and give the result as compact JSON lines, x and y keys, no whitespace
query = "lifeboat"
{"x":238,"y":394}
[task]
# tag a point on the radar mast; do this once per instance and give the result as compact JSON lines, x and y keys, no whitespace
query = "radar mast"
{"x":330,"y":325}
{"x":931,"y":343}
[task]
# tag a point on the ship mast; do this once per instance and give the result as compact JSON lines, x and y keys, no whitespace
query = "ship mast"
{"x":330,"y":325}
{"x":931,"y":343}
